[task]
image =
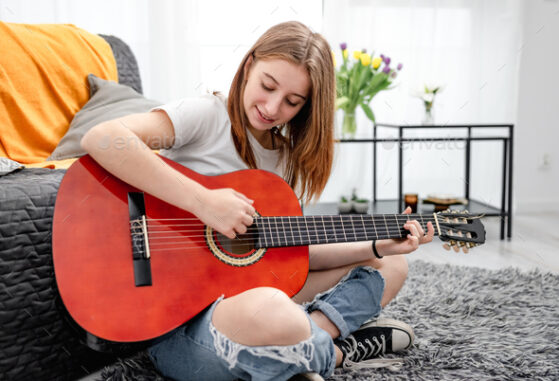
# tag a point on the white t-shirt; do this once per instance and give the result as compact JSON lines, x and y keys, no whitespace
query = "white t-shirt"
{"x":203,"y":140}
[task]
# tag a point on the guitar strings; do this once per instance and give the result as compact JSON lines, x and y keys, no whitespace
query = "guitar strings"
{"x":326,"y":225}
{"x":188,"y":244}
{"x":359,"y":236}
{"x":357,"y":233}
{"x":327,"y":228}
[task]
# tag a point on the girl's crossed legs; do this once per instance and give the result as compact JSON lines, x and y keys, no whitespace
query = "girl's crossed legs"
{"x":262,"y":334}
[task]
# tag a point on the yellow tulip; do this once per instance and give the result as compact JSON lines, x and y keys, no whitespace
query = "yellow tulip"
{"x":365,"y":59}
{"x":345,"y":53}
{"x":334,"y":58}
{"x":356,"y":54}
{"x":376,"y":62}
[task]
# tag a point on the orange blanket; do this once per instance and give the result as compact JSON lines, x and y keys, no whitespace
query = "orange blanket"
{"x":43,"y":70}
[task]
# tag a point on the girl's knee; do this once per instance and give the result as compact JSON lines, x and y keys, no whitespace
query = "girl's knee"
{"x":262,"y":316}
{"x":399,"y":265}
{"x":396,"y":265}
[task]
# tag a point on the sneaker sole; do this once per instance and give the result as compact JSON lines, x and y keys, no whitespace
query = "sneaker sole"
{"x":394,"y":324}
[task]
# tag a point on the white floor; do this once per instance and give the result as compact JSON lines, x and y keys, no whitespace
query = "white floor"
{"x":534,"y":245}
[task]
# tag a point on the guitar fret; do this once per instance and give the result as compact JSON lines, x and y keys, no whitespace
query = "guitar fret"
{"x":315,"y":231}
{"x":277,"y":220}
{"x":286,"y":221}
{"x":353,"y":226}
{"x":374,"y":226}
{"x":268,"y":231}
{"x":391,"y":232}
{"x":364,"y":228}
{"x":307,"y":227}
{"x":272,"y":229}
{"x":386,"y":224}
{"x":293,"y":221}
{"x":400,"y":226}
{"x":299,"y":228}
{"x":284,"y":233}
{"x":343,"y":229}
{"x":263,"y":231}
{"x":336,"y":228}
{"x":291,"y":230}
{"x":325,"y":235}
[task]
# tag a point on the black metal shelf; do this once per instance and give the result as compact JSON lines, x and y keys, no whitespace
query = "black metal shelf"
{"x":473,"y":206}
{"x":391,"y":206}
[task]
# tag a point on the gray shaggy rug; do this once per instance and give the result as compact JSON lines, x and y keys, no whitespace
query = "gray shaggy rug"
{"x":470,"y":323}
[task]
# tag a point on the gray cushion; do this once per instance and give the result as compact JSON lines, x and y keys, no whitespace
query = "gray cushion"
{"x":127,"y":67}
{"x":108,"y":100}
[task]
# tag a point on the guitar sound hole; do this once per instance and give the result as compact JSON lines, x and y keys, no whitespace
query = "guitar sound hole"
{"x":243,"y":244}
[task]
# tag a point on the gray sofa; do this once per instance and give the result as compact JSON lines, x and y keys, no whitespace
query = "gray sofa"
{"x":38,"y":339}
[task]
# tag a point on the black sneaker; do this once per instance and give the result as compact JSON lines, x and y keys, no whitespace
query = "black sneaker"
{"x":362,"y":348}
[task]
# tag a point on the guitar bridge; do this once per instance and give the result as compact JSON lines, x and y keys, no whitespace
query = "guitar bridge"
{"x":139,"y":236}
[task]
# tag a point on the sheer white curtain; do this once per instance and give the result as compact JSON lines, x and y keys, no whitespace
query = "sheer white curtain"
{"x":183,"y":47}
{"x":470,"y":48}
{"x":196,"y":46}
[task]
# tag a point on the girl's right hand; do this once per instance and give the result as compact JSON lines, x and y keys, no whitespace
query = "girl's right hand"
{"x":225,"y":210}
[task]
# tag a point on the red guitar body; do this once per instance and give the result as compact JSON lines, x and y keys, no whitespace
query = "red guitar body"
{"x":92,"y":253}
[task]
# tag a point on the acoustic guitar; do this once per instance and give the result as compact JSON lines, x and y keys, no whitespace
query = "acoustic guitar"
{"x":130,"y":267}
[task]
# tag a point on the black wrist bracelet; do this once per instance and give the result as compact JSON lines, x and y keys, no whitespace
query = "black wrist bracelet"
{"x":375,"y":252}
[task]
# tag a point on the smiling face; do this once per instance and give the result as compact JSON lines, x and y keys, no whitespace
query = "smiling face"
{"x":275,"y":91}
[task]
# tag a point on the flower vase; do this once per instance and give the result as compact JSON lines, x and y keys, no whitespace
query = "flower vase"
{"x":428,"y":118}
{"x":349,"y":125}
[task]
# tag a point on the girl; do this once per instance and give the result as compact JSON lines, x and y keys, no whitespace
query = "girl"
{"x":279,"y":117}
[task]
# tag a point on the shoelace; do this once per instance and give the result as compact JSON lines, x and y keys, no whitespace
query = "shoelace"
{"x":357,"y":352}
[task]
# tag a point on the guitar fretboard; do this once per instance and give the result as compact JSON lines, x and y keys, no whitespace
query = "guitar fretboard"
{"x":311,"y":230}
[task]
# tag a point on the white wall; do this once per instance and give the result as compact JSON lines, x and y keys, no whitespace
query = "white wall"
{"x":537,"y":132}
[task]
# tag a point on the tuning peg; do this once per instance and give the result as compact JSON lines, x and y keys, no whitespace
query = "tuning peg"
{"x":454,"y":245}
{"x":471,"y":245}
{"x":465,"y":249}
{"x":446,"y":246}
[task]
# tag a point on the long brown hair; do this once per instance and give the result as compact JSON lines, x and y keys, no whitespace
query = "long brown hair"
{"x":307,"y":141}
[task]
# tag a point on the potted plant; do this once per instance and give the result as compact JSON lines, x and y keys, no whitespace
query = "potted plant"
{"x":344,"y":205}
{"x":359,"y":205}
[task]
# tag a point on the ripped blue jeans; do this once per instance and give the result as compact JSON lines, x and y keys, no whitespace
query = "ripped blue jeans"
{"x":198,"y":351}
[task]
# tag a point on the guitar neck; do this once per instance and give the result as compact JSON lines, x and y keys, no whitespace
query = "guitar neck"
{"x":312,"y":230}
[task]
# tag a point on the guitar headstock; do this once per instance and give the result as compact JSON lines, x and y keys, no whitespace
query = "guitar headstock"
{"x":460,"y":230}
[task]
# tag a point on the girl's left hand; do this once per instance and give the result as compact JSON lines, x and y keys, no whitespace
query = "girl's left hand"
{"x":409,"y":244}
